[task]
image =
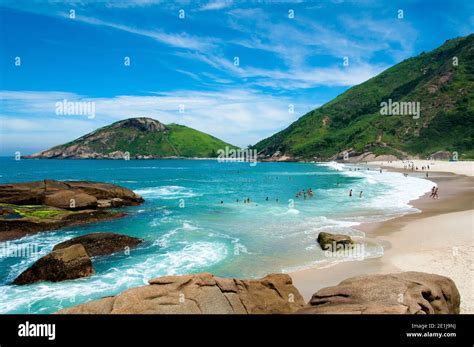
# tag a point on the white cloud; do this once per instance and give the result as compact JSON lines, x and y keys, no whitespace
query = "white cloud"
{"x":293,"y":41}
{"x":177,"y":40}
{"x":216,"y":5}
{"x":237,"y":116}
{"x":397,"y":37}
{"x":296,"y":41}
{"x":299,"y":77}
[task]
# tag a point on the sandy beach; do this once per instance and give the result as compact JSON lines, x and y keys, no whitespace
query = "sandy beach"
{"x":457,"y":167}
{"x":439,"y":239}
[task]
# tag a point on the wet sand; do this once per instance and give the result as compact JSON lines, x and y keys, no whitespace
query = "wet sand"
{"x":439,"y":239}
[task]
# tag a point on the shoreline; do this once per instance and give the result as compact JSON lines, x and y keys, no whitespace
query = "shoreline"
{"x":439,"y":239}
{"x":421,"y":241}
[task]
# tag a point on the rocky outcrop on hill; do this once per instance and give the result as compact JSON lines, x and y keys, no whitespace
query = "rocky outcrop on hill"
{"x":201,"y":293}
{"x":402,"y":293}
{"x":98,"y":244}
{"x":361,"y":122}
{"x":60,"y":265}
{"x":441,"y":155}
{"x":132,"y":138}
{"x":31,"y":207}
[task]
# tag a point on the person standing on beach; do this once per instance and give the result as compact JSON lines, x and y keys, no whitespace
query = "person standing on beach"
{"x":436,"y":196}
{"x":433,"y":192}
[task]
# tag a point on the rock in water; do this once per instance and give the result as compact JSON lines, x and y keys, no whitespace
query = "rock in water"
{"x":59,"y":265}
{"x":97,"y":244}
{"x":69,"y":195}
{"x":332,"y":242}
{"x":20,"y":220}
{"x":402,"y":293}
{"x":201,"y":293}
{"x":31,"y":207}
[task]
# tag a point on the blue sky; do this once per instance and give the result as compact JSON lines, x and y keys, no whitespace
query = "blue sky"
{"x":282,"y":61}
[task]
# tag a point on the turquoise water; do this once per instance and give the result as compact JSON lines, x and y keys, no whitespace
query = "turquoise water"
{"x":187,"y":229}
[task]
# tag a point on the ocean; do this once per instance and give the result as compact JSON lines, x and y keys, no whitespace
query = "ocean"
{"x":194,"y":220}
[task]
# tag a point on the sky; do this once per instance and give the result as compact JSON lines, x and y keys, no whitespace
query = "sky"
{"x":238,"y":70}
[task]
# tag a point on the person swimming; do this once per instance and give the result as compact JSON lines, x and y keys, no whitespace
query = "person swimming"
{"x":350,"y":193}
{"x":360,"y":195}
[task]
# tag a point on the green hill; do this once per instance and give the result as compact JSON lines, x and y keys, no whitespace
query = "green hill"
{"x":352,"y":122}
{"x":139,"y":138}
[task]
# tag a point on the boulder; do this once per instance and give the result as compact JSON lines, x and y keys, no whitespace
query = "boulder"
{"x":107,"y":191}
{"x":69,"y":199}
{"x":59,"y":265}
{"x":31,"y":207}
{"x":97,"y":244}
{"x":58,"y":194}
{"x":20,"y":220}
{"x":201,"y":293}
{"x":441,"y":155}
{"x":402,"y":293}
{"x":114,"y":202}
{"x":104,"y":203}
{"x":332,"y":242}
